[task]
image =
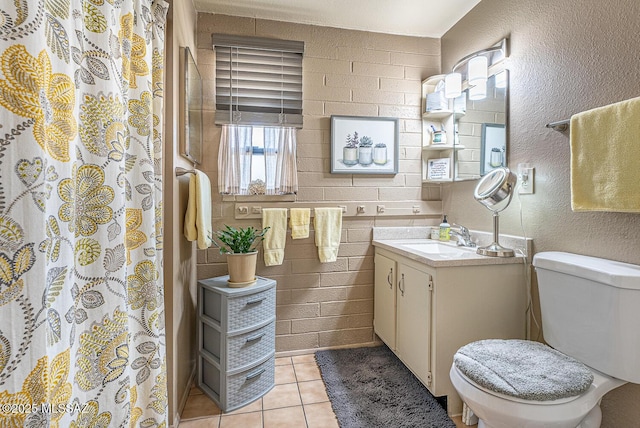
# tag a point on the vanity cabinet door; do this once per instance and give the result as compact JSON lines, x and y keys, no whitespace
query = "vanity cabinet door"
{"x":384,"y":300}
{"x":413,"y":340}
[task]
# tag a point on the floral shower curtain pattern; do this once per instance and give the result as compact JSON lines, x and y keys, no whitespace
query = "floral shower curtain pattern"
{"x":82,"y":341}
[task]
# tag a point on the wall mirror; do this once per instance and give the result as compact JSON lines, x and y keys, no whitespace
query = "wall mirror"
{"x":481,"y":120}
{"x":190,"y":108}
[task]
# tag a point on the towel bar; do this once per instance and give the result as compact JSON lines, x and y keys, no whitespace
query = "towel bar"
{"x":181,"y":171}
{"x":560,"y":126}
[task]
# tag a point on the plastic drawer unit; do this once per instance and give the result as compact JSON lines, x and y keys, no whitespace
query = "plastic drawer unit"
{"x":236,"y":341}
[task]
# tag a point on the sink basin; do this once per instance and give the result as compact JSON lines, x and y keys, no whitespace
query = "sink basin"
{"x":436,"y":248}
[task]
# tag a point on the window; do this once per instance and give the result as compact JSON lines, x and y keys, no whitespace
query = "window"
{"x":259,"y":105}
{"x":258,"y":81}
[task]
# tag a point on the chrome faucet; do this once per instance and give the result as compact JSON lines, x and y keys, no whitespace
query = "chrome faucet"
{"x":463,"y":235}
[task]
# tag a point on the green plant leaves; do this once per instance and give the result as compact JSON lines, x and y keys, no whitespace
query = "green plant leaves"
{"x":239,"y":240}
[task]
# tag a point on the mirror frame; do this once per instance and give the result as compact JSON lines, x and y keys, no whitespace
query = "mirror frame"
{"x":191,"y":115}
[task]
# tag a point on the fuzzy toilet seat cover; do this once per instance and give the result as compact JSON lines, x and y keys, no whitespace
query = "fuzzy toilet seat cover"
{"x":523,"y":369}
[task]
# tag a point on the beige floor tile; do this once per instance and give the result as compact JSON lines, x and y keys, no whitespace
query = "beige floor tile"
{"x":285,"y":374}
{"x":285,"y":395}
{"x":288,"y":417}
{"x":255,"y":406}
{"x":307,"y":371}
{"x":242,"y":420}
{"x":320,"y":415}
{"x":210,"y":422}
{"x":306,"y":358}
{"x":282,"y":361}
{"x":198,"y":406}
{"x":313,"y":391}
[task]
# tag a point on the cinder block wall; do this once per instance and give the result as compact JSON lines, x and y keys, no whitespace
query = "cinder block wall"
{"x":345,"y":72}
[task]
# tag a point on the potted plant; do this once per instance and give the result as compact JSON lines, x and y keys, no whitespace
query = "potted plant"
{"x":240,"y":246}
{"x":350,"y":150}
{"x":365,"y":151}
{"x":380,"y":154}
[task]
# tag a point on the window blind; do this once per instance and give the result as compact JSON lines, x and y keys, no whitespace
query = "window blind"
{"x":258,"y":81}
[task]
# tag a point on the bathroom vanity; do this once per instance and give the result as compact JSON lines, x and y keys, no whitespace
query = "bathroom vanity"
{"x":432,"y":298}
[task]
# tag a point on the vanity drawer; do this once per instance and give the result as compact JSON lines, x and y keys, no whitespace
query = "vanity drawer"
{"x":249,"y":310}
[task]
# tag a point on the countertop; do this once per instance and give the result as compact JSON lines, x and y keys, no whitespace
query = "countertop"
{"x":451,"y":256}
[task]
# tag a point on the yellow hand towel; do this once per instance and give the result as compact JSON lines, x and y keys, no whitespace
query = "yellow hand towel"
{"x":197,"y":219}
{"x":328,"y":228}
{"x":605,"y":158}
{"x":276,"y":220}
{"x":300,"y":223}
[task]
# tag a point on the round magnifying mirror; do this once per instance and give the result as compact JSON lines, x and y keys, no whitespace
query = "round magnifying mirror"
{"x":495,"y":187}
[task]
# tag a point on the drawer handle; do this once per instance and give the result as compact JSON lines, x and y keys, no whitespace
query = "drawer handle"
{"x":255,"y":374}
{"x":256,"y":301}
{"x":254,"y":338}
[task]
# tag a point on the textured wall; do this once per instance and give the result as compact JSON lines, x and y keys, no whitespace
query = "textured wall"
{"x":344,"y":73}
{"x":565,"y":57}
{"x":179,"y":255}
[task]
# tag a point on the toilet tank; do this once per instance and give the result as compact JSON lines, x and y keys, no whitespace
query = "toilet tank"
{"x":591,"y":311}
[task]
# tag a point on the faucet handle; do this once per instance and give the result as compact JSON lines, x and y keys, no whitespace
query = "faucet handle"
{"x":463,"y":230}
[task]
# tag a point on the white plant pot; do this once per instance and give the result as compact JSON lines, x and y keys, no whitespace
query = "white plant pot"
{"x":380,"y":155}
{"x":350,"y":156}
{"x":365,"y":155}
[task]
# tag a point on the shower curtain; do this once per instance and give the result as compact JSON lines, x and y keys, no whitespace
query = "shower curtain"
{"x":82,"y":339}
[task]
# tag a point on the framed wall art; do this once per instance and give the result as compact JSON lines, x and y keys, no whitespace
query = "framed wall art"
{"x":364,"y":145}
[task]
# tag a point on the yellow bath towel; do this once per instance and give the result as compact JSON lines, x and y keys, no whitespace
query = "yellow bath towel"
{"x":605,"y":158}
{"x":328,"y":228}
{"x":276,"y":220}
{"x":197,"y":219}
{"x":299,"y":223}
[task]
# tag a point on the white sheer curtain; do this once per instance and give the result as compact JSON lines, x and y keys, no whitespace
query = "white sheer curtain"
{"x":281,"y":169}
{"x":234,"y":160}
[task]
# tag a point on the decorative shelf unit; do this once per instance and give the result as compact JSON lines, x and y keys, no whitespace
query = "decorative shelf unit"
{"x":236,"y":341}
{"x":440,"y":119}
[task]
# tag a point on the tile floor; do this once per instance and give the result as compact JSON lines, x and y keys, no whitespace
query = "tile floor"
{"x":299,"y":400}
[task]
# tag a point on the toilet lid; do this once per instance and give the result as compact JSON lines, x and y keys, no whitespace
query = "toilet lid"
{"x":523,"y":369}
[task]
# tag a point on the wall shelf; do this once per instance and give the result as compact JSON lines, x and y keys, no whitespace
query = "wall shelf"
{"x":438,"y":147}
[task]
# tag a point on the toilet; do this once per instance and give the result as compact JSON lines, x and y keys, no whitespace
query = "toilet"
{"x":590,"y":315}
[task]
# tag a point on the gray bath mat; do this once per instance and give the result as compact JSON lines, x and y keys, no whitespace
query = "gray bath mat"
{"x":370,"y":387}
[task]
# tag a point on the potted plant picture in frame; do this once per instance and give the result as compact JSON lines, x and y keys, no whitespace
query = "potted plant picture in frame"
{"x":380,"y":154}
{"x":350,"y":150}
{"x":375,"y":138}
{"x":240,"y":246}
{"x":365,"y":151}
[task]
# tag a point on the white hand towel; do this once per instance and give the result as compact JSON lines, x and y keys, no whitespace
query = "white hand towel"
{"x":197,"y":219}
{"x":328,"y":228}
{"x":276,"y":220}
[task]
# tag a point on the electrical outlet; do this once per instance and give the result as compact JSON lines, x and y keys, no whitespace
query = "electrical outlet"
{"x":526,"y":175}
